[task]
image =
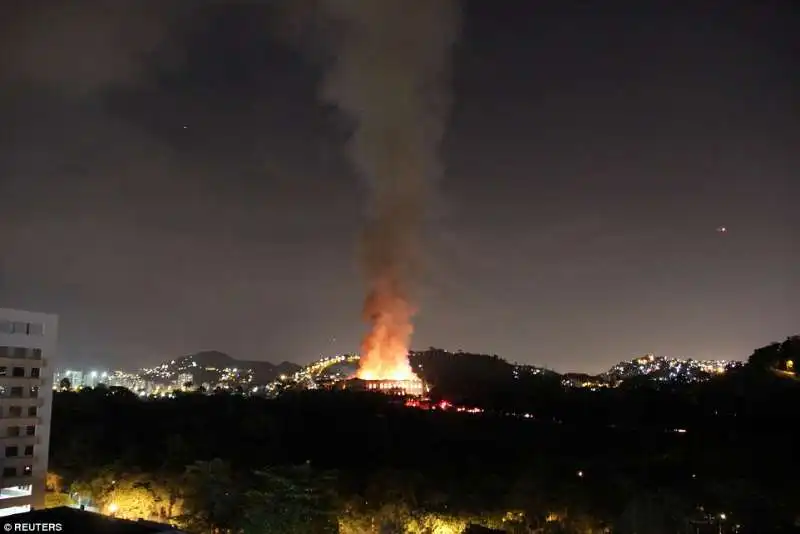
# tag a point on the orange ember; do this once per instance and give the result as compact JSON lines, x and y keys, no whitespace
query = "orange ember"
{"x":384,"y":350}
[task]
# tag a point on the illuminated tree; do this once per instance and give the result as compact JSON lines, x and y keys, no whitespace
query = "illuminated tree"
{"x":54,"y":483}
{"x":54,"y":500}
{"x":132,"y":501}
{"x":95,"y":486}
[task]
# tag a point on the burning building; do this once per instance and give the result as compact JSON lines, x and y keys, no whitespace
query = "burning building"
{"x":413,"y":387}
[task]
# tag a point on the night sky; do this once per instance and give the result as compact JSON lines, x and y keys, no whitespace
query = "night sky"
{"x":170,"y":183}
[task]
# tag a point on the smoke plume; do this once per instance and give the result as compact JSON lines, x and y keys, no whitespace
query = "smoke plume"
{"x":389,"y":74}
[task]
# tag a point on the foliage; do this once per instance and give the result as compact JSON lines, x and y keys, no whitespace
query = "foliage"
{"x":54,"y":482}
{"x":134,"y":495}
{"x":54,"y":500}
{"x":211,"y":497}
{"x":132,"y":500}
{"x":291,"y":500}
{"x":399,"y":467}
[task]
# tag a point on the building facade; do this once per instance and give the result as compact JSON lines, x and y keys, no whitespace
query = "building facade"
{"x":27,"y":346}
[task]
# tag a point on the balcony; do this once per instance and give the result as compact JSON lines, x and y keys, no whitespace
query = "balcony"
{"x":23,"y":381}
{"x":22,"y":420}
{"x":20,"y":441}
{"x":21,"y":361}
{"x":7,"y":482}
{"x":23,"y":401}
{"x":19,"y":462}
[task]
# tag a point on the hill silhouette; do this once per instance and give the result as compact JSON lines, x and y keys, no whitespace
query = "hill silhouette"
{"x":205,"y":366}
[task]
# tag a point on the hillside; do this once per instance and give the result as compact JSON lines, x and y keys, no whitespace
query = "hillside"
{"x":212,"y":366}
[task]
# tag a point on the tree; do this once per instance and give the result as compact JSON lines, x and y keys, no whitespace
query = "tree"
{"x":55,"y":500}
{"x":94,"y":486}
{"x":291,"y":500}
{"x":132,"y":500}
{"x":211,"y":498}
{"x":65,"y":384}
{"x":54,"y":483}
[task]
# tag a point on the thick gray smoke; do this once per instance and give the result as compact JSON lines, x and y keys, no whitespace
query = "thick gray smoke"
{"x":389,"y":74}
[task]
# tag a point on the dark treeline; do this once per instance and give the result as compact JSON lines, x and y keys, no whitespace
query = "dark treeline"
{"x":584,"y":461}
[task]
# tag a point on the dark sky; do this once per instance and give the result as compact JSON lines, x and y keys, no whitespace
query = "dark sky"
{"x":170,"y":183}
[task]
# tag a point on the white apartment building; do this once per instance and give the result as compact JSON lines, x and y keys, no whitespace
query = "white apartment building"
{"x":27,"y":346}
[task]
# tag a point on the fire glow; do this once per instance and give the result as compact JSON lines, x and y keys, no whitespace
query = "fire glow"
{"x":393,"y":90}
{"x":384,"y":350}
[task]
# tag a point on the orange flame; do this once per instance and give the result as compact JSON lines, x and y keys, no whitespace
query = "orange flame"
{"x":384,"y":350}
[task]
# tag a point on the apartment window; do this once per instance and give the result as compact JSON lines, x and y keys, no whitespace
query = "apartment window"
{"x":18,"y":327}
{"x":32,"y":411}
{"x":12,"y":451}
{"x":18,"y":372}
{"x":9,"y":472}
{"x":12,"y":432}
{"x":3,"y":370}
{"x":16,"y":391}
{"x":5,"y":326}
{"x":34,"y":391}
{"x":15,"y":411}
{"x":34,"y":372}
{"x":27,"y":470}
{"x":30,"y":430}
{"x":35,"y":329}
{"x":28,"y":450}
